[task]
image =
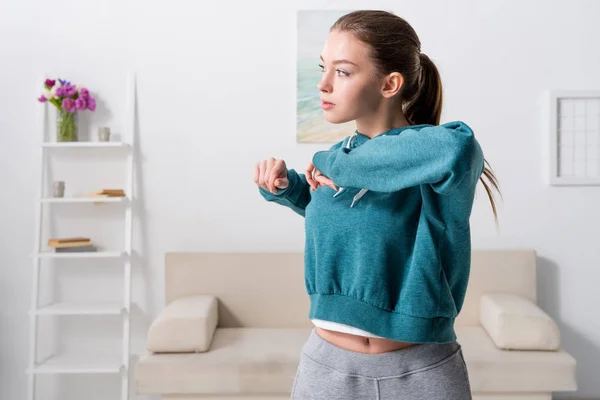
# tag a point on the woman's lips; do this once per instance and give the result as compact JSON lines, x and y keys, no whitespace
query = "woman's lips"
{"x":327,"y":106}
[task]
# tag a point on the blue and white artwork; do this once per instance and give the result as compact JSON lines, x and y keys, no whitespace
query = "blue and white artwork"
{"x":313,"y":28}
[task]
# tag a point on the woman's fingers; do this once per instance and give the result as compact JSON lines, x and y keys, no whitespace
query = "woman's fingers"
{"x":309,"y":176}
{"x":271,"y":174}
{"x":257,"y":173}
{"x":324,"y":181}
{"x":319,"y":179}
{"x":281,"y":183}
{"x":262,"y":174}
{"x":278,"y":175}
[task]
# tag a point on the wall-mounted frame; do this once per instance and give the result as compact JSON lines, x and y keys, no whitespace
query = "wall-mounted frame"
{"x":574,"y":137}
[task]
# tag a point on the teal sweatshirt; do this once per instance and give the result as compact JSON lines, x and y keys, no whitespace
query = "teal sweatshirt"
{"x":390,"y":251}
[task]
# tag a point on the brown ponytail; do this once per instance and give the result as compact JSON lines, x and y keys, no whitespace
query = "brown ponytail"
{"x":395,"y":46}
{"x":425,"y":106}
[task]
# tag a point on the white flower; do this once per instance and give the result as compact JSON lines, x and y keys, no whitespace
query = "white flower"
{"x":79,"y":86}
{"x":47,"y":94}
{"x":57,"y":84}
{"x":52,"y":93}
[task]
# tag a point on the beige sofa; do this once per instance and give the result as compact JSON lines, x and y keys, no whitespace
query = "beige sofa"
{"x":234,"y":325}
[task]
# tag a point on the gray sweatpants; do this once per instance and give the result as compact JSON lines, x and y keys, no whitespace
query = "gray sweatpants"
{"x":425,"y":371}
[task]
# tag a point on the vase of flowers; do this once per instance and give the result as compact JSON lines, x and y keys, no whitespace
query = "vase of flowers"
{"x":68,"y":99}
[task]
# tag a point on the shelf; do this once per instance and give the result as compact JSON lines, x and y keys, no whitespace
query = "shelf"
{"x":79,"y":364}
{"x":85,"y":199}
{"x":80,"y":357}
{"x":96,"y":308}
{"x":90,"y":144}
{"x":83,"y":254}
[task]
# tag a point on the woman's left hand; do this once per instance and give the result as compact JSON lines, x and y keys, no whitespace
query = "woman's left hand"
{"x":315,"y":178}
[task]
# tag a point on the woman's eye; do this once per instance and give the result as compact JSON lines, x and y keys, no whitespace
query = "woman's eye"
{"x":339,"y":71}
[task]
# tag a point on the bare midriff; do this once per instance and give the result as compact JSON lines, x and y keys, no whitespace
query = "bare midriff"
{"x":361,"y":344}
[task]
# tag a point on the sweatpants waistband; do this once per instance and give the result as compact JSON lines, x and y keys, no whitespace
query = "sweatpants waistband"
{"x":392,"y":363}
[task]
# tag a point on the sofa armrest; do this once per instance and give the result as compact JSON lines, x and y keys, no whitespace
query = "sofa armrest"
{"x":517,"y":323}
{"x":185,"y":325}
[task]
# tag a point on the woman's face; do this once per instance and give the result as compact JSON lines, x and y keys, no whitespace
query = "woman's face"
{"x":349,"y":80}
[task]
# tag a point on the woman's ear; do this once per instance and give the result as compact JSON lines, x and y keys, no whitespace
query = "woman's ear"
{"x":392,"y":84}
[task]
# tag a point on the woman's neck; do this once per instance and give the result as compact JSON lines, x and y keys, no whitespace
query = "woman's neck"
{"x":377,"y":124}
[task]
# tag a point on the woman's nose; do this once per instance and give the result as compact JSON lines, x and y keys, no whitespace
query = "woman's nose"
{"x":324,"y":85}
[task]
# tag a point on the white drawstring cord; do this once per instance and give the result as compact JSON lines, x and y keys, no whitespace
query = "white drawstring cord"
{"x":358,"y":196}
{"x":340,"y":190}
{"x":362,"y":192}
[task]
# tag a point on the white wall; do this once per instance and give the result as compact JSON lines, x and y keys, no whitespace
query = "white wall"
{"x":217,"y":93}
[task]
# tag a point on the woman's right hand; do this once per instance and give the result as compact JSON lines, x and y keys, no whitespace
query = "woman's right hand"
{"x":271,"y":174}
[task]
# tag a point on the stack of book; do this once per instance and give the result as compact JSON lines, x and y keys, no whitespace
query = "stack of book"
{"x":71,"y":244}
{"x":106,"y":193}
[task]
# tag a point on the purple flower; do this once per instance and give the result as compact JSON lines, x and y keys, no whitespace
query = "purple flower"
{"x":60,"y":92}
{"x":83,"y":92}
{"x":68,"y":105}
{"x":80,"y":103}
{"x":50,"y":83}
{"x":42,"y":99}
{"x":91,"y":104}
{"x":64,"y":82}
{"x":69,"y":90}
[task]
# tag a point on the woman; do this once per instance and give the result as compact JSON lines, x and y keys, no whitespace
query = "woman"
{"x":387,"y":211}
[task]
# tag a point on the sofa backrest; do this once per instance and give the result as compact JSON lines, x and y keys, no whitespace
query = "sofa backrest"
{"x":265,"y":290}
{"x":262,"y":290}
{"x":498,"y":271}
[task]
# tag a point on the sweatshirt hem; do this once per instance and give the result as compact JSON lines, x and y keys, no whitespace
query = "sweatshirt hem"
{"x":387,"y":324}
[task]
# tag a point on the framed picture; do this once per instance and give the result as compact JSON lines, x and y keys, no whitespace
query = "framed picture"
{"x":574,"y":137}
{"x":312,"y":31}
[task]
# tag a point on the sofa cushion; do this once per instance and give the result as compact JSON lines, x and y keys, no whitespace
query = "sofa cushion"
{"x":516,"y":323}
{"x":185,"y":325}
{"x":492,"y":369}
{"x":240,"y":360}
{"x":254,"y":361}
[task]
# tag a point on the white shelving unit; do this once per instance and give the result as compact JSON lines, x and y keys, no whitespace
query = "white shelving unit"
{"x":96,"y":254}
{"x":74,"y":365}
{"x":94,"y":145}
{"x":84,"y":200}
{"x":107,"y":308}
{"x":85,"y":363}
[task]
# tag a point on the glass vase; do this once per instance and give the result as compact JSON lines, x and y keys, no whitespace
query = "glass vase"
{"x":66,"y":126}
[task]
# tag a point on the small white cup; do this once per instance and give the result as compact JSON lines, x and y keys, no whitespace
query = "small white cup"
{"x":58,"y":189}
{"x":104,"y":134}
